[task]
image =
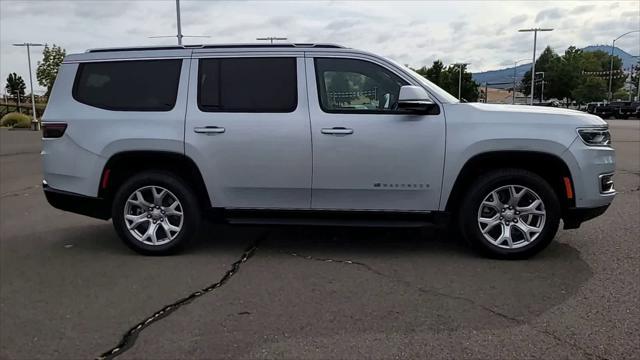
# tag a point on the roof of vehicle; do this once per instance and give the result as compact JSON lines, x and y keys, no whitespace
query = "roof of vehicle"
{"x":218,"y":46}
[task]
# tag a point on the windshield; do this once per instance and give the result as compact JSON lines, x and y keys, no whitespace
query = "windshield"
{"x":443,"y":95}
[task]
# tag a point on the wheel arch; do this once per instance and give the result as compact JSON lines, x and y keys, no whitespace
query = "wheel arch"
{"x":549,"y":166}
{"x":122,"y":165}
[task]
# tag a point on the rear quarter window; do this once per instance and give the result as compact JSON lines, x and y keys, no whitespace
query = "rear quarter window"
{"x":134,"y":85}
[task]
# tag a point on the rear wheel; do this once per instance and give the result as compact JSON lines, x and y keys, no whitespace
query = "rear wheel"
{"x":155,"y":213}
{"x":510,"y":214}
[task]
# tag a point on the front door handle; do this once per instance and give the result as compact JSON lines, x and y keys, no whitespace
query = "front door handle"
{"x":337,"y":131}
{"x":209,"y":130}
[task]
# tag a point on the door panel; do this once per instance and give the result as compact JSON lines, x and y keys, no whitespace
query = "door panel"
{"x":251,"y":154}
{"x":366,"y":155}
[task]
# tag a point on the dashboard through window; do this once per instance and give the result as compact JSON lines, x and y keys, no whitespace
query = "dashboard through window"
{"x":354,"y":86}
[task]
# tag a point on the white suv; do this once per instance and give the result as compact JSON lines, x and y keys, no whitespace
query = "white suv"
{"x":309,"y":133}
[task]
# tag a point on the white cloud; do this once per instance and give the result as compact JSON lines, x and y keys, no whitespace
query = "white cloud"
{"x":482,"y":33}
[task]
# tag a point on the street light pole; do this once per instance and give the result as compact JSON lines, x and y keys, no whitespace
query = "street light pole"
{"x":613,"y":45}
{"x":515,"y":66}
{"x":533,"y":66}
{"x":179,"y":28}
{"x":542,"y":92}
{"x":34,"y":121}
{"x":179,"y":24}
{"x":460,"y":65}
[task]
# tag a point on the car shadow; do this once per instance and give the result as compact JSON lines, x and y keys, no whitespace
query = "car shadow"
{"x":465,"y":289}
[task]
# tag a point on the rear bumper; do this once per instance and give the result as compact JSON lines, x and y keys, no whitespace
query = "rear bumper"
{"x":76,"y":203}
{"x":573,"y":217}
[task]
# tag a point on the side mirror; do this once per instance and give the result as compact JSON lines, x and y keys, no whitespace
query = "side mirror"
{"x":415,"y":100}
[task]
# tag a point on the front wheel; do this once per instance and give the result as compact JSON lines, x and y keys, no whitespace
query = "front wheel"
{"x":155,"y":213}
{"x":510,"y":214}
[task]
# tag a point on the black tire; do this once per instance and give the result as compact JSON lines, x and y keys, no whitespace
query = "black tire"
{"x":467,"y":218}
{"x":179,"y":188}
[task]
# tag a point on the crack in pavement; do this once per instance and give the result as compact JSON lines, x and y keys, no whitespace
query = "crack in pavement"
{"x":449,"y":296}
{"x":129,"y":338}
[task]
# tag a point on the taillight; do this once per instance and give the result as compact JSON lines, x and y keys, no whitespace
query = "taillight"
{"x":53,"y":130}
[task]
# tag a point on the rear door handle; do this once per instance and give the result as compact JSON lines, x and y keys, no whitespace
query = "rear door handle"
{"x":209,"y":130}
{"x":337,"y":131}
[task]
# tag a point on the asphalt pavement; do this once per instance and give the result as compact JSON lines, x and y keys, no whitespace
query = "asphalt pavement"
{"x":70,"y":289}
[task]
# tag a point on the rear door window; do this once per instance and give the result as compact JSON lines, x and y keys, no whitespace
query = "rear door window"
{"x":136,"y":85}
{"x":247,"y":85}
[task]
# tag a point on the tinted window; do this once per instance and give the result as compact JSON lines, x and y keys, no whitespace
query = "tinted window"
{"x":247,"y":85}
{"x":348,"y":85}
{"x":137,"y":85}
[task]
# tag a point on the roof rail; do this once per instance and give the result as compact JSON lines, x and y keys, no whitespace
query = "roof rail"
{"x":218,"y":46}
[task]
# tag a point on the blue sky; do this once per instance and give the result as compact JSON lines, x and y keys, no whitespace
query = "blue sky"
{"x":483,"y":33}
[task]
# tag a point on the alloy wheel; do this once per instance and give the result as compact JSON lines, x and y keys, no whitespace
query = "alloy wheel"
{"x":511,"y":216}
{"x":153,"y":215}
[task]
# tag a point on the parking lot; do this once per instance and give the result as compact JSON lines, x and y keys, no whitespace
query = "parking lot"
{"x":70,"y":289}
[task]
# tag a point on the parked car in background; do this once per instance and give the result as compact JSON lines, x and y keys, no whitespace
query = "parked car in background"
{"x":626,"y":109}
{"x":550,"y":103}
{"x":603,"y":109}
{"x":155,"y":138}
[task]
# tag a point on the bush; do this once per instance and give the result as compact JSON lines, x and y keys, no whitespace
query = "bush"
{"x":14,"y":118}
{"x":23,"y":124}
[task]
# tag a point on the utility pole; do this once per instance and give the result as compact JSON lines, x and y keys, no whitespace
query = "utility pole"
{"x":542,"y":92}
{"x":179,"y":24}
{"x":486,"y":93}
{"x":515,"y":66}
{"x":613,"y":45}
{"x":271,"y":38}
{"x":638,"y":88}
{"x":533,"y":65}
{"x":179,"y":28}
{"x":34,"y":121}
{"x":460,"y":65}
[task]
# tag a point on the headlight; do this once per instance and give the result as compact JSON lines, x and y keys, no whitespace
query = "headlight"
{"x":595,"y":136}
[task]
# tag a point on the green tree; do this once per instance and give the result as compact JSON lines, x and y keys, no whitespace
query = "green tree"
{"x":572,"y":76}
{"x":48,"y":68}
{"x":544,"y":63}
{"x":564,"y":75}
{"x":447,"y":78}
{"x":635,"y":79}
{"x":15,"y":87}
{"x":590,"y":89}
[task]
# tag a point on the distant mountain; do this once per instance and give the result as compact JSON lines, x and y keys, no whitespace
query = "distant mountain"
{"x":628,"y":60}
{"x":506,"y":74}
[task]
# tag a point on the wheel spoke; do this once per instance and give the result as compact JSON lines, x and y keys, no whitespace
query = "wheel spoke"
{"x":506,"y":236}
{"x":516,"y":196}
{"x":150,"y":234}
{"x":136,"y":220}
{"x":532,"y":208}
{"x":495,"y":204}
{"x":490,"y":222}
{"x":524,"y":229}
{"x":171,"y":210}
{"x":490,"y":227}
{"x":169,"y":228}
{"x":158,"y":196}
{"x":139,"y":200}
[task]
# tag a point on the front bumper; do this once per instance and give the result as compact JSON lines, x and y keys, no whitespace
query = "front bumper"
{"x":76,"y":203}
{"x":573,"y":217}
